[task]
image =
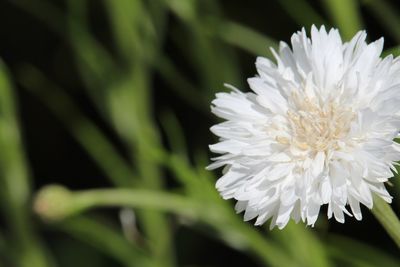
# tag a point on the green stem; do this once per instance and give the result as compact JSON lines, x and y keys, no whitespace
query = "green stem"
{"x":15,"y":182}
{"x":346,"y":15}
{"x":110,"y":241}
{"x":387,"y":218}
{"x":386,"y":15}
{"x":56,"y":203}
{"x":136,"y":198}
{"x":130,"y":108}
{"x":303,"y":13}
{"x":246,"y":38}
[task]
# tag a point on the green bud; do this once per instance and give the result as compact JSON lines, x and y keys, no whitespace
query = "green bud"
{"x":53,"y":203}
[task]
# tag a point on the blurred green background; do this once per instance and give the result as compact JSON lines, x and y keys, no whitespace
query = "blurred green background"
{"x":115,"y":94}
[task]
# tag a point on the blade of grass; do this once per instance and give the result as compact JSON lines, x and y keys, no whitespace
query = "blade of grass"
{"x":57,"y":203}
{"x":174,"y":133}
{"x":387,"y":15}
{"x":213,"y":61}
{"x":88,"y":50}
{"x":90,"y":137}
{"x":387,"y":218}
{"x":109,"y":242}
{"x":96,"y":66}
{"x":130,"y":106}
{"x":356,"y":253}
{"x":15,"y":181}
{"x":247,"y":39}
{"x":180,"y":85}
{"x":302,"y":12}
{"x":303,"y":244}
{"x":229,"y":226}
{"x":395,"y":51}
{"x":346,"y":16}
{"x":95,"y":63}
{"x":125,"y":28}
{"x":82,"y":129}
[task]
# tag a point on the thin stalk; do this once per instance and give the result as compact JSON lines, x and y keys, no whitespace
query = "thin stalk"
{"x":302,"y":12}
{"x":109,"y":241}
{"x":356,"y":253}
{"x":57,"y":203}
{"x":386,"y":15}
{"x":130,"y":106}
{"x":15,"y":182}
{"x":246,"y":38}
{"x":387,"y":218}
{"x":346,"y":15}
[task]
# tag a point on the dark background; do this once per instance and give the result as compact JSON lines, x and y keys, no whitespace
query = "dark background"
{"x":55,"y":157}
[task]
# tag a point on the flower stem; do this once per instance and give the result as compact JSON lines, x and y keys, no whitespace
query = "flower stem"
{"x":56,"y":203}
{"x":387,"y":218}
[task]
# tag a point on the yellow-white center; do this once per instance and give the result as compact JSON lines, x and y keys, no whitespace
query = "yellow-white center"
{"x":317,"y":127}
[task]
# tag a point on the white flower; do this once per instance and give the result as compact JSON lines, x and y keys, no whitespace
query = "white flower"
{"x":317,"y":129}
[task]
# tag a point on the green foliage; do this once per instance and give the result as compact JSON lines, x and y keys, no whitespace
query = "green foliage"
{"x":119,"y":81}
{"x":15,"y":184}
{"x":346,"y":15}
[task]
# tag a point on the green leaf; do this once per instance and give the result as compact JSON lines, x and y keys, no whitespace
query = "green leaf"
{"x":246,"y":38}
{"x":302,"y":12}
{"x":230,"y":227}
{"x":302,"y":243}
{"x":15,"y":181}
{"x":105,"y":239}
{"x":395,"y":51}
{"x":346,"y":16}
{"x":387,"y":218}
{"x":355,"y":253}
{"x":386,"y":14}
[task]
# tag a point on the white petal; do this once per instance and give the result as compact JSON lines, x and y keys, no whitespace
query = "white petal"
{"x":267,"y":96}
{"x":317,"y":129}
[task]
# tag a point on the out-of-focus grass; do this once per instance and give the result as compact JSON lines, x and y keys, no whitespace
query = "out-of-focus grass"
{"x":346,"y":15}
{"x":120,"y":85}
{"x":387,"y":15}
{"x":110,"y":241}
{"x":302,"y":12}
{"x":20,"y":240}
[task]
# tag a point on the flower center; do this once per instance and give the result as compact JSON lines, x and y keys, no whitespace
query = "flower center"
{"x":318,"y":127}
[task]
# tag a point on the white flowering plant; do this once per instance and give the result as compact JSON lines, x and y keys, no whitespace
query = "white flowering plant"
{"x":318,"y":128}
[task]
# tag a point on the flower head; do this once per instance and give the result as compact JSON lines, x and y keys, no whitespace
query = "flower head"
{"x":317,"y":128}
